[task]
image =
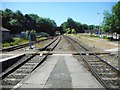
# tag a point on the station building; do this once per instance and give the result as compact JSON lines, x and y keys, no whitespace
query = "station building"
{"x":5,"y":33}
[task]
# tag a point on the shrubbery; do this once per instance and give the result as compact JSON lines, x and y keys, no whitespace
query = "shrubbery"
{"x":25,"y":35}
{"x":70,"y":31}
{"x":105,"y":37}
{"x":16,"y":41}
{"x":93,"y":35}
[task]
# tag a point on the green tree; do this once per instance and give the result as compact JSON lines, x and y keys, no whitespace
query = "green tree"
{"x":46,"y":25}
{"x":116,"y":13}
{"x":111,"y":21}
{"x":68,"y":31}
{"x":71,"y":23}
{"x":73,"y":31}
{"x":64,"y":27}
{"x":77,"y":26}
{"x":17,"y":22}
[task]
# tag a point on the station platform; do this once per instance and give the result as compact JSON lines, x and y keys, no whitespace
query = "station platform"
{"x":60,"y":71}
{"x":5,"y":56}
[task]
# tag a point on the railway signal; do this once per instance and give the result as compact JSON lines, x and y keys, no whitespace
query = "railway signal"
{"x":29,"y":24}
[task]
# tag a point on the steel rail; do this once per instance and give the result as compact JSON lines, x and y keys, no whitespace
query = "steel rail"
{"x":20,"y":62}
{"x":12,"y":48}
{"x":92,"y":69}
{"x":96,"y":55}
{"x":59,"y":39}
{"x":12,"y":70}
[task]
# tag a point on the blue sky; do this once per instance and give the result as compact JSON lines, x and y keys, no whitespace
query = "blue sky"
{"x":84,"y":12}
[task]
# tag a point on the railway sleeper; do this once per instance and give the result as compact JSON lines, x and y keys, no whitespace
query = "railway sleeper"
{"x":101,"y":67}
{"x":10,"y":81}
{"x":24,"y":71}
{"x":36,"y":58}
{"x":110,"y":75}
{"x":30,"y":64}
{"x":27,"y":67}
{"x":98,"y":62}
{"x":6,"y":87}
{"x":37,"y":61}
{"x":19,"y":73}
{"x":90,"y":59}
{"x":112,"y":83}
{"x":102,"y":70}
{"x":110,"y":79}
{"x":115,"y":87}
{"x":93,"y":61}
{"x":96,"y":65}
{"x":16,"y":76}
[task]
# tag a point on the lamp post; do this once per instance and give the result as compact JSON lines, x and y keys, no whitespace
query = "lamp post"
{"x":99,"y":23}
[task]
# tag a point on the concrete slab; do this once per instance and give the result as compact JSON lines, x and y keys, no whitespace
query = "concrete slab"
{"x":81,"y":78}
{"x":60,"y":71}
{"x":41,"y":74}
{"x":32,"y":86}
{"x":5,"y":57}
{"x":60,"y":76}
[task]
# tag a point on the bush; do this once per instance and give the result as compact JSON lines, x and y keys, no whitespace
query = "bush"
{"x":16,"y":41}
{"x":6,"y":44}
{"x":93,"y":35}
{"x":110,"y":38}
{"x":73,"y":31}
{"x":33,"y":35}
{"x":105,"y":37}
{"x":68,"y":31}
{"x":11,"y":44}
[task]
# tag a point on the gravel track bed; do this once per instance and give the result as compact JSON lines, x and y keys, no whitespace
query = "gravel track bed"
{"x":112,"y":59}
{"x":64,"y":45}
{"x":98,"y":66}
{"x":20,"y":73}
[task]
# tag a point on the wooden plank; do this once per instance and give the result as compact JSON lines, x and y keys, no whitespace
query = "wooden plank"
{"x":116,"y":78}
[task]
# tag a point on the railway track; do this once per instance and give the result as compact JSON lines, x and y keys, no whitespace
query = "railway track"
{"x":105,"y":73}
{"x":12,"y":76}
{"x":12,"y":48}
